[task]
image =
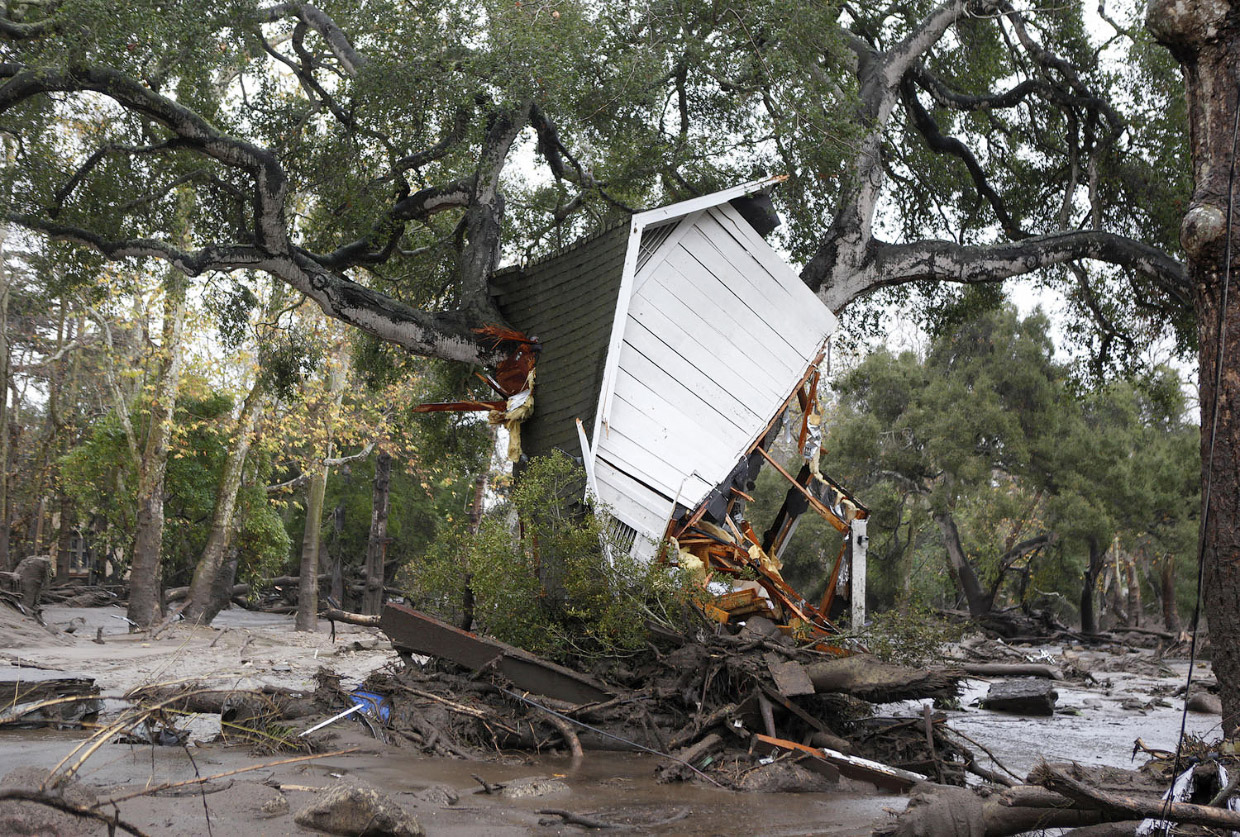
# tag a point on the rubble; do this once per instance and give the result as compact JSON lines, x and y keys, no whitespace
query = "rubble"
{"x":356,"y":810}
{"x":1027,"y":696}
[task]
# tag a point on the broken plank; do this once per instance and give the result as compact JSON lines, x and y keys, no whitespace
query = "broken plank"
{"x":854,"y":767}
{"x":790,"y":678}
{"x":415,"y":631}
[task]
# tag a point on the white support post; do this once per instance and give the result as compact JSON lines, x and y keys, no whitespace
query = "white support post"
{"x":857,"y":542}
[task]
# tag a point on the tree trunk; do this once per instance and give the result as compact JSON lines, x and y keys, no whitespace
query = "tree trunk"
{"x":966,"y":577}
{"x":376,"y":547}
{"x":203,"y":605}
{"x":1205,"y":39}
{"x":64,"y":539}
{"x":6,"y":560}
{"x":1135,"y":605}
{"x":1170,"y":609}
{"x":144,"y":572}
{"x":308,"y":587}
{"x":1089,"y":616}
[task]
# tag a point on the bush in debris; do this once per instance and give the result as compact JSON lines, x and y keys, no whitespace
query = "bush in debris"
{"x":912,"y":635}
{"x":546,"y":574}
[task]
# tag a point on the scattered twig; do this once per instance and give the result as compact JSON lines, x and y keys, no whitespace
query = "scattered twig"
{"x":578,"y":819}
{"x":200,"y":779}
{"x":112,"y":821}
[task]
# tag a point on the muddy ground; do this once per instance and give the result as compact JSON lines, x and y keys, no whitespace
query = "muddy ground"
{"x":1097,"y":724}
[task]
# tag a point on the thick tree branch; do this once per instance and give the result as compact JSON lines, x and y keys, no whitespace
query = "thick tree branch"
{"x":947,"y":261}
{"x":903,"y":56}
{"x":13,"y":30}
{"x":351,"y":61}
{"x":943,"y":144}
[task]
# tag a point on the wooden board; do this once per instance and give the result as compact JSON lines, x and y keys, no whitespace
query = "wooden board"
{"x":415,"y":631}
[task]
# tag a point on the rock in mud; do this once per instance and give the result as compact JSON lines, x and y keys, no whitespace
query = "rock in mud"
{"x":784,"y":777}
{"x":533,"y":787}
{"x":358,"y":811}
{"x":1029,"y":696}
{"x":442,"y":796}
{"x":1205,"y":703}
{"x":27,"y":819}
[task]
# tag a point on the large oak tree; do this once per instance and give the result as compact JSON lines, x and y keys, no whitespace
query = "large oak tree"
{"x":361,"y":151}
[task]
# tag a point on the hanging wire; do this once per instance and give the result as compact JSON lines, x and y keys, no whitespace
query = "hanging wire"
{"x":1220,"y":345}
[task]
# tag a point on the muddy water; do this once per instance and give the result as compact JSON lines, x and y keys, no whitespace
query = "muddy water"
{"x":619,"y":788}
{"x":258,"y":649}
{"x":1094,"y":724}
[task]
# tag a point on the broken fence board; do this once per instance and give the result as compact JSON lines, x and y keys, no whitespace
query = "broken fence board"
{"x":422,"y":634}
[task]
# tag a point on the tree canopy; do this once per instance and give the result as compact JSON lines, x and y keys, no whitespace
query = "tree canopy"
{"x":363,"y":152}
{"x":985,"y":462}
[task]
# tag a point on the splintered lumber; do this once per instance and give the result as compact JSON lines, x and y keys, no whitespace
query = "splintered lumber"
{"x":1021,"y":697}
{"x":414,"y":631}
{"x":866,"y":677}
{"x":808,"y":757}
{"x":29,"y":685}
{"x":854,"y":767}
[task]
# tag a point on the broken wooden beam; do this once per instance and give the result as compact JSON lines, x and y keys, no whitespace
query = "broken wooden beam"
{"x":854,"y":767}
{"x":419,"y":633}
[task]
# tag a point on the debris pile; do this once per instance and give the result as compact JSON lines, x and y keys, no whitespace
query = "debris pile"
{"x":751,"y":710}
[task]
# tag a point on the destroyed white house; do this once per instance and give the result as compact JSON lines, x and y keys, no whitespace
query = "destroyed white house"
{"x":665,"y":353}
{"x":669,"y":349}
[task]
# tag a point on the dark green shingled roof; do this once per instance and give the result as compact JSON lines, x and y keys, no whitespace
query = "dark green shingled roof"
{"x":568,"y":301}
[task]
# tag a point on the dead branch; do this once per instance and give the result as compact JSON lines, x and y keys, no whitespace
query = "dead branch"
{"x":113,"y":800}
{"x":112,"y":821}
{"x":1129,"y":807}
{"x":336,"y":615}
{"x":578,"y":819}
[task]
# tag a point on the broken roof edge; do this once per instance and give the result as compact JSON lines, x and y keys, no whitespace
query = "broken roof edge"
{"x":686,"y":207}
{"x":640,"y":220}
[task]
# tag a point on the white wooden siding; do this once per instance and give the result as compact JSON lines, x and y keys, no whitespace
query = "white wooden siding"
{"x":717,"y":331}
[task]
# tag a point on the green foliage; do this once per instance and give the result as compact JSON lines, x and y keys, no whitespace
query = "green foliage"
{"x":987,"y":431}
{"x":101,"y":477}
{"x":555,"y":589}
{"x":911,"y":635}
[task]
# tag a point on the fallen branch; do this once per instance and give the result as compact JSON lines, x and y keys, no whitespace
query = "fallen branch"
{"x":336,"y":615}
{"x":578,"y":819}
{"x":112,"y":821}
{"x":1129,"y":807}
{"x":113,"y":800}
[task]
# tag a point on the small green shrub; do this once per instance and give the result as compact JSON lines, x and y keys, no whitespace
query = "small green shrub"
{"x":555,"y":583}
{"x":912,"y":635}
